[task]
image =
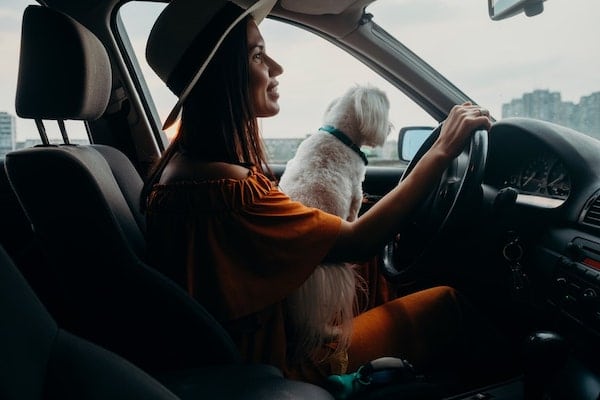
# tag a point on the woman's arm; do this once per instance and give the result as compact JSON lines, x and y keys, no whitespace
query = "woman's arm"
{"x":361,"y":239}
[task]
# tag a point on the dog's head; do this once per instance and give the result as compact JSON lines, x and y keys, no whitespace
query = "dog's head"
{"x":362,"y":113}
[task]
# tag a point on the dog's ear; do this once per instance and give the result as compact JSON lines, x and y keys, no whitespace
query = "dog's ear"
{"x":372,"y":109}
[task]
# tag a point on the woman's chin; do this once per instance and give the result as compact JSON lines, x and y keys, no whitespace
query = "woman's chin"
{"x":270,"y":113}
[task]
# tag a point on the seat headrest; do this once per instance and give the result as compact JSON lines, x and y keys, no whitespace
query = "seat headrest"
{"x":64,"y":70}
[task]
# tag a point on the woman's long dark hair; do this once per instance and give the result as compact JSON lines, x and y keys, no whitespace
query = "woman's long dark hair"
{"x":218,"y":122}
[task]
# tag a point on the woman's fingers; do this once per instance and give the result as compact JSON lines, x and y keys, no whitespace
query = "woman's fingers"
{"x":477,"y":110}
{"x":462,"y":121}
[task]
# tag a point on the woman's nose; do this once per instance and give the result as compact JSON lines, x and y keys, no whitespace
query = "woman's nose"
{"x":274,"y":68}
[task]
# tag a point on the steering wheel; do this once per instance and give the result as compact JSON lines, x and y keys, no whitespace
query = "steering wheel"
{"x":462,"y":178}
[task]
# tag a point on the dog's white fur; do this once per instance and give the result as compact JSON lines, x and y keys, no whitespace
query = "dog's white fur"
{"x":325,"y":173}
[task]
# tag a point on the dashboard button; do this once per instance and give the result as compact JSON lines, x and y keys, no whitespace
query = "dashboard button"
{"x":589,"y":293}
{"x":590,"y":273}
{"x":582,"y":269}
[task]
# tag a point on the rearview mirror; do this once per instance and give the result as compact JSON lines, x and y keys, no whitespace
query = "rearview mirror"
{"x":410,"y":139}
{"x":501,"y":9}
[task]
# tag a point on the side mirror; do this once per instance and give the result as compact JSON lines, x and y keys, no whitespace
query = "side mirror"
{"x":501,"y":9}
{"x":410,"y":139}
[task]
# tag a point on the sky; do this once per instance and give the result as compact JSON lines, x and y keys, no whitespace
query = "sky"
{"x":556,"y":50}
{"x":493,"y":62}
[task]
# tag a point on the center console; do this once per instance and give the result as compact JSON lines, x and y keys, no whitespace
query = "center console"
{"x":577,"y":282}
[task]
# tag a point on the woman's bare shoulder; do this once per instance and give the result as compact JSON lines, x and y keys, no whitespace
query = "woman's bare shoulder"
{"x":182,"y":168}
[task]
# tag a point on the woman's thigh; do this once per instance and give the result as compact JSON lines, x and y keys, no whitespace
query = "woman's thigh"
{"x":421,"y":327}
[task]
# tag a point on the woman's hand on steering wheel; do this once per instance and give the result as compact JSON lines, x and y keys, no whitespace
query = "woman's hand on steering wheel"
{"x":461,"y":140}
{"x":462,"y":121}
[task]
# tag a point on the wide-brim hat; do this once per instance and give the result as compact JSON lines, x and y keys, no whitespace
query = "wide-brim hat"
{"x":186,"y":36}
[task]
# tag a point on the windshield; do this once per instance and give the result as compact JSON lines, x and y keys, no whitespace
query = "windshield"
{"x":545,"y":67}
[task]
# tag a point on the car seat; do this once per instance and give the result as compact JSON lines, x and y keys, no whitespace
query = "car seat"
{"x":82,"y":202}
{"x":42,"y":361}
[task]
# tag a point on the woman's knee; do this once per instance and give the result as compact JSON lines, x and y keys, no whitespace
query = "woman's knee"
{"x":444,"y":299}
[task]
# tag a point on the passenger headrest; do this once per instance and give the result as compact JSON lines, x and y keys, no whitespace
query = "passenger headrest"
{"x":64,"y":70}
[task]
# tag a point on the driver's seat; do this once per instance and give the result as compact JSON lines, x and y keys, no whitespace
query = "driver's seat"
{"x":40,"y":360}
{"x":81,"y":201}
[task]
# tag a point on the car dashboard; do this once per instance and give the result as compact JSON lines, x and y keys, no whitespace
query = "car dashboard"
{"x":554,"y":175}
{"x":541,"y":179}
{"x":532,"y":163}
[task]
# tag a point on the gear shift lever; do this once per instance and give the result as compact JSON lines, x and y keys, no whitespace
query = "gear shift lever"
{"x":545,"y":353}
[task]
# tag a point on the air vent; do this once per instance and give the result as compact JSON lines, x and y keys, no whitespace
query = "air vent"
{"x":591,"y":211}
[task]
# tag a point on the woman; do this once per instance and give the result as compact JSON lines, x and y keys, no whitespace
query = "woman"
{"x":219,"y":226}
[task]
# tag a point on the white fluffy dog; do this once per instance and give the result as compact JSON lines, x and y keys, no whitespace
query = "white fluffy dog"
{"x":327,"y":172}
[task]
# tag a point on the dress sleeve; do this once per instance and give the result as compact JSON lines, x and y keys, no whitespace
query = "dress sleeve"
{"x":238,"y":246}
{"x":278,"y":244}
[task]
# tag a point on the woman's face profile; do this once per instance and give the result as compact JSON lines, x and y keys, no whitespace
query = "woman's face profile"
{"x":263,"y":70}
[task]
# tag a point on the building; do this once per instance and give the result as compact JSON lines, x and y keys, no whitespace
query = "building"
{"x":279,"y":150}
{"x":588,"y":116}
{"x":8,"y":133}
{"x":543,"y":104}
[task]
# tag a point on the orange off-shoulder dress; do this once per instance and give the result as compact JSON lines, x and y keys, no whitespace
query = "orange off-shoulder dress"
{"x":240,"y":246}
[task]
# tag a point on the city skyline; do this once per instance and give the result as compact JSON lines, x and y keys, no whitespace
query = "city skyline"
{"x":545,"y":104}
{"x":583,"y":116}
{"x":589,"y":102}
